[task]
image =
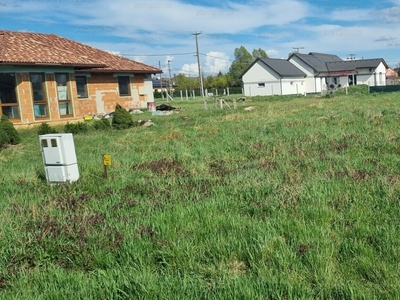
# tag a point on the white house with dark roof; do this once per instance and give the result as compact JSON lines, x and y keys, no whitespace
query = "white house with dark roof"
{"x":328,"y":71}
{"x":314,"y":65}
{"x":359,"y":71}
{"x":270,"y":76}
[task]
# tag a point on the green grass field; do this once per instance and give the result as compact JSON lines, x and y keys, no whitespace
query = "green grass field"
{"x":295,"y":199}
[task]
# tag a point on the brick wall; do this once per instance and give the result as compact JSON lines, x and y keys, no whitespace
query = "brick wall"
{"x":103,"y":95}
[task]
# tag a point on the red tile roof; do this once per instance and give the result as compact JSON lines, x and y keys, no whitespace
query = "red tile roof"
{"x":28,"y":48}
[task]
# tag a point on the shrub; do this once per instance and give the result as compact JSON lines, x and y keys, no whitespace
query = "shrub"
{"x":76,"y":128}
{"x":122,"y":118}
{"x":45,"y":128}
{"x":102,"y":124}
{"x":8,"y":128}
{"x":4,"y":140}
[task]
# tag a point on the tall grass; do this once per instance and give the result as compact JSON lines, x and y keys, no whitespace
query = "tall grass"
{"x":295,"y":199}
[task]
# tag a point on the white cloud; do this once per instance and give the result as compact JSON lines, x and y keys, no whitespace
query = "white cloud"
{"x":216,"y":62}
{"x":272,"y":53}
{"x":350,"y":14}
{"x":211,"y":64}
{"x":114,"y":52}
{"x":190,"y":70}
{"x":389,"y":15}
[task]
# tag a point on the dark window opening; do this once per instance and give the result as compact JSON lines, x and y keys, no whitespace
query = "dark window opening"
{"x":81,"y":86}
{"x":8,"y":96}
{"x":124,"y":86}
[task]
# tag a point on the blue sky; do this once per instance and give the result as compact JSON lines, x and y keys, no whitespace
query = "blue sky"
{"x":155,"y":32}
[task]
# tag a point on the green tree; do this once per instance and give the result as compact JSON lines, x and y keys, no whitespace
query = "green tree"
{"x":243,"y":59}
{"x":122,"y":118}
{"x":186,"y":83}
{"x":210,"y":82}
{"x":259,"y":53}
{"x":8,"y":128}
{"x":221,"y":81}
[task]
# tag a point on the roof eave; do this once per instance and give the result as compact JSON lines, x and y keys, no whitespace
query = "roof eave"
{"x":10,"y":63}
{"x":157,"y":71}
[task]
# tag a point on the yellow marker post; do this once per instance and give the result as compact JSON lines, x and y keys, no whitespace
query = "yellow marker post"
{"x":106,"y":162}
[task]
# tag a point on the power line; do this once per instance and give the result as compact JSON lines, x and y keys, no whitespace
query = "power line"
{"x":223,"y":58}
{"x":170,"y":54}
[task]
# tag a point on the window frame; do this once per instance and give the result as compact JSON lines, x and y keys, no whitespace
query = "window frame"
{"x":68,"y":100}
{"x":85,"y":87}
{"x":11,"y":104}
{"x":43,"y":101}
{"x":128,"y":85}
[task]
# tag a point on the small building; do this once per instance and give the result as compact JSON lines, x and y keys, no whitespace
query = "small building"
{"x":47,"y":78}
{"x":392,"y":77}
{"x":271,"y":76}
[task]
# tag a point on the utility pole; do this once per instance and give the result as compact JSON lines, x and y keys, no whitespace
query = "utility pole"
{"x":198,"y":62}
{"x":162,"y":93}
{"x":169,"y":69}
{"x":298,"y":49}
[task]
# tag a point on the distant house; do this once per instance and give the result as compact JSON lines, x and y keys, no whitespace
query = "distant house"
{"x":162,"y":85}
{"x":45,"y":78}
{"x":269,"y":76}
{"x":359,"y":71}
{"x":314,"y":65}
{"x":392,"y":77}
{"x":328,"y":71}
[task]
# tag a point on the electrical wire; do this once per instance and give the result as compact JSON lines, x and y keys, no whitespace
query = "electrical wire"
{"x":167,"y":54}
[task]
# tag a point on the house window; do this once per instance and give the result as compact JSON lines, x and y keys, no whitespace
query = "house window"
{"x":39,"y":95}
{"x":64,"y":100}
{"x":261,"y":85}
{"x":81,"y":86}
{"x":8,"y":96}
{"x":124,"y":86}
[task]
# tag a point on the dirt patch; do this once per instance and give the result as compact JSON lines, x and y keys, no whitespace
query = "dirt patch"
{"x":162,"y":167}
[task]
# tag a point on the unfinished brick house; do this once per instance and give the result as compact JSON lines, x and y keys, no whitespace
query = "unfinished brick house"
{"x":47,"y":78}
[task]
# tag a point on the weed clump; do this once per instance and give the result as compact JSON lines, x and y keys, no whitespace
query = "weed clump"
{"x":9,"y":134}
{"x":102,"y":124}
{"x":4,"y":140}
{"x":45,"y":128}
{"x":122,"y":118}
{"x":76,"y":128}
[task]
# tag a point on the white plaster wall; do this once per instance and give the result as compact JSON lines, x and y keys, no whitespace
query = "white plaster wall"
{"x":270,"y":88}
{"x":293,"y":86}
{"x":312,"y":84}
{"x":375,"y":78}
{"x":259,"y":73}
